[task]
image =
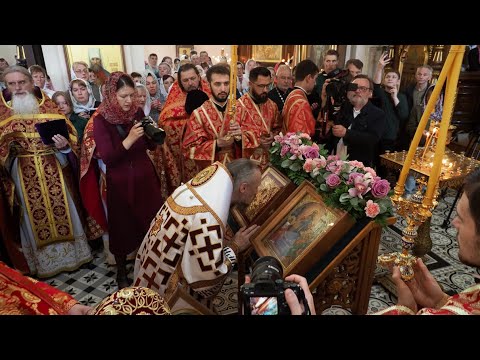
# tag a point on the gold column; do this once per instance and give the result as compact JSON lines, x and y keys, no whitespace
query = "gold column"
{"x":300,"y":53}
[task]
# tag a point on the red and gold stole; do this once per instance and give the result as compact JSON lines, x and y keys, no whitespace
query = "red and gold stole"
{"x":22,"y":295}
{"x":255,"y":121}
{"x":40,"y":173}
{"x":172,"y":119}
{"x":205,"y":126}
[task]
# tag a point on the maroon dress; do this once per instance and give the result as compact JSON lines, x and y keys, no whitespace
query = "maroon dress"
{"x":133,"y":188}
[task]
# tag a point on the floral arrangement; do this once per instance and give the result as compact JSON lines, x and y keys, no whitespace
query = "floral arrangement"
{"x":348,"y":185}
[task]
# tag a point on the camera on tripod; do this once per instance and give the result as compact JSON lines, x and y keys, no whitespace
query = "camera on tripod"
{"x":265,"y":294}
{"x":155,"y":133}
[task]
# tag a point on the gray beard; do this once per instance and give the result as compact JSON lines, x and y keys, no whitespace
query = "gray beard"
{"x":26,"y":104}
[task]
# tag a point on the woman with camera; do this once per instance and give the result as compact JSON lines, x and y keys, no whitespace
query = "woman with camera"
{"x":133,"y":193}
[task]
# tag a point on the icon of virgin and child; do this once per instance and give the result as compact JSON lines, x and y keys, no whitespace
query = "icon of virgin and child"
{"x":300,"y":228}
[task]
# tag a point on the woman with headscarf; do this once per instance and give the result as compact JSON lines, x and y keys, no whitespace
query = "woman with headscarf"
{"x":158,"y":99}
{"x":168,"y":81}
{"x":65,"y":104}
{"x":144,"y":101}
{"x":81,"y":94}
{"x":133,"y":195}
{"x":249,"y":65}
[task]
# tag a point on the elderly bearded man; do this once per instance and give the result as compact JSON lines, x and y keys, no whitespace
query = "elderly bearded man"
{"x":38,"y":178}
{"x":173,"y":119}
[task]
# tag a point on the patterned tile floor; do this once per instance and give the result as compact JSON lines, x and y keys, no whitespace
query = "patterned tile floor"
{"x":95,"y":280}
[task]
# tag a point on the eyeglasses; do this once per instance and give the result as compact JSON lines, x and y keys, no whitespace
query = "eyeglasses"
{"x":263,"y":86}
{"x":363,"y":88}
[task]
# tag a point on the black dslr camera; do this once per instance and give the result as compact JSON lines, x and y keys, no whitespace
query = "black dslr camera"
{"x":336,"y":89}
{"x":265,"y":294}
{"x":155,"y":133}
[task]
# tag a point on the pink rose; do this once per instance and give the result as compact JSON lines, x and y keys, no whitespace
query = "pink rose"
{"x":372,"y":209}
{"x":320,"y":162}
{"x":357,"y":164}
{"x":310,"y":151}
{"x":308,"y":165}
{"x":332,"y":166}
{"x":333,"y":157}
{"x":380,"y":188}
{"x":305,"y":136}
{"x":370,"y":170}
{"x":333,"y":180}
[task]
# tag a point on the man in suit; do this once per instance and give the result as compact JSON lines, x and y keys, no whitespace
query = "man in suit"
{"x":359,"y":126}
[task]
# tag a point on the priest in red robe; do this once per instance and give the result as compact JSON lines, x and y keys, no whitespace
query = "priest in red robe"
{"x":258,"y":117}
{"x":173,"y":119}
{"x":297,"y":114}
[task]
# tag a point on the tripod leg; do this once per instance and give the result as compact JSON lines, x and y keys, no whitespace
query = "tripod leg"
{"x":446,"y":222}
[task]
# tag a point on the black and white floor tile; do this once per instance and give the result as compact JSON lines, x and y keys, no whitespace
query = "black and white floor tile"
{"x":96,"y":280}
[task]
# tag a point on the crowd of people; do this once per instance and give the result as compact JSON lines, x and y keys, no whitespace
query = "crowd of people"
{"x":99,"y":181}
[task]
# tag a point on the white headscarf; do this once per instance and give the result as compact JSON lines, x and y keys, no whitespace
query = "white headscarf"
{"x":77,"y":107}
{"x":148,"y":102}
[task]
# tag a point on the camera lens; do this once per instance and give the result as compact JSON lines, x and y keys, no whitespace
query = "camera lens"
{"x":266,"y":268}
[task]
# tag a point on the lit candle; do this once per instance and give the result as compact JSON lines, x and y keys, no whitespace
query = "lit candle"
{"x":426,"y":144}
{"x":456,"y":53}
{"x":399,"y":188}
{"x":222,"y":52}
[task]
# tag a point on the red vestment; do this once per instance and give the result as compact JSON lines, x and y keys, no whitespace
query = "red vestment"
{"x":297,"y":114}
{"x":22,"y":295}
{"x":255,"y":120}
{"x":465,"y":303}
{"x":173,"y":119}
{"x":205,"y":126}
{"x":42,"y":177}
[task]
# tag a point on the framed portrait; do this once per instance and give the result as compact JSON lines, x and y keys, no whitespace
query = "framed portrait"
{"x":267,"y":53}
{"x":184,"y":50}
{"x":273,"y":190}
{"x":301,"y":231}
{"x":110,"y":57}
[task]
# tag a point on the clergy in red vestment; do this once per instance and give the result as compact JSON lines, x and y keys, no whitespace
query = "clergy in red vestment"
{"x":38,"y":180}
{"x":423,"y":295}
{"x":209,"y":136}
{"x":258,"y":117}
{"x":173,"y":118}
{"x":297,"y":114}
{"x":133,"y":189}
{"x":22,"y":295}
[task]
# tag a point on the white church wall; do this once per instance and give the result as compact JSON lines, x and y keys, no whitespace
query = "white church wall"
{"x":8,"y":53}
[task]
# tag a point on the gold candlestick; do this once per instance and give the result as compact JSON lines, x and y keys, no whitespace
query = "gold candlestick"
{"x":231,"y":109}
{"x":399,"y":188}
{"x":419,"y":208}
